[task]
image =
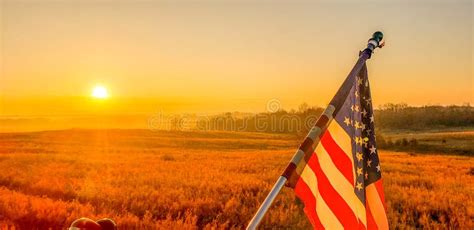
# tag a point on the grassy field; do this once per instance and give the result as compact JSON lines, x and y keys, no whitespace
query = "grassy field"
{"x":451,"y":142}
{"x":191,"y":180}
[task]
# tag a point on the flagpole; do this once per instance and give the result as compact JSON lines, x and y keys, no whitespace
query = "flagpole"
{"x":313,"y":136}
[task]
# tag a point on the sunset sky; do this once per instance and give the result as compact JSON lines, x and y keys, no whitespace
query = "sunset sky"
{"x":214,"y":56}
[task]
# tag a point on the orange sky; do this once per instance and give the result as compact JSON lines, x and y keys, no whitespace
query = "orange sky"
{"x":212,"y":56}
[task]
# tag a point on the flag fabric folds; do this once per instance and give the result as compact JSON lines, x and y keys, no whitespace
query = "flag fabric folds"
{"x":337,"y":172}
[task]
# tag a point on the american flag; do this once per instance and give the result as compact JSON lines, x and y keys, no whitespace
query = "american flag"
{"x":336,"y":172}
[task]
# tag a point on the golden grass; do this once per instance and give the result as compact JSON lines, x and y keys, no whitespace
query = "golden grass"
{"x":191,"y":180}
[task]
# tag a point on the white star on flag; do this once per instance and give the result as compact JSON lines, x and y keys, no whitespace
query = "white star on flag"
{"x":372,"y":149}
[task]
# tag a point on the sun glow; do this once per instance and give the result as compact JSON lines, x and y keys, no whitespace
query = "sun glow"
{"x":100,"y":92}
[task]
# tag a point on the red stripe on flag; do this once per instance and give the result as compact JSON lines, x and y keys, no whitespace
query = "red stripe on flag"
{"x":370,"y":219}
{"x":379,"y":187}
{"x":304,"y":193}
{"x":338,"y":157}
{"x":361,"y":225}
{"x":336,"y":203}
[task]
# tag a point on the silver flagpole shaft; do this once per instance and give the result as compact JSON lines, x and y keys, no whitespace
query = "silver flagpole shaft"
{"x":267,"y":203}
{"x":374,"y":42}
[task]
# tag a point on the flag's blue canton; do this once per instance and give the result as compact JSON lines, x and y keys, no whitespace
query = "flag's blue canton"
{"x":357,"y":118}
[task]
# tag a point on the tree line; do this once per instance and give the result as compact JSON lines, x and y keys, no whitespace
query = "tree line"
{"x":387,"y":117}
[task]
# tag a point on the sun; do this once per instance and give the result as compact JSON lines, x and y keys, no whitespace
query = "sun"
{"x":99,"y":92}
